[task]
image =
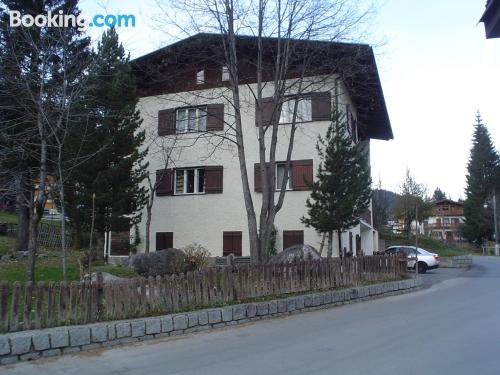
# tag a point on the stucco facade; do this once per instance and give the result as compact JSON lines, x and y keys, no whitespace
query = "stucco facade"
{"x":202,"y":218}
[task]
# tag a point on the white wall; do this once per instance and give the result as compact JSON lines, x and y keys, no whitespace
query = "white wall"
{"x":203,"y":218}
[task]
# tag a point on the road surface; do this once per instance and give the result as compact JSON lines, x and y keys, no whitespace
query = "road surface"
{"x":451,"y":327}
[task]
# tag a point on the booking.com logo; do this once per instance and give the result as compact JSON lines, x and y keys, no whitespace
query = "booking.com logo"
{"x":60,"y":19}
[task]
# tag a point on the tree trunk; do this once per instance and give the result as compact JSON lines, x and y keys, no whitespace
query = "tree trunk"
{"x":339,"y":235}
{"x":23,"y":220}
{"x":33,"y":239}
{"x":149,"y":209}
{"x":76,"y":238}
{"x":322,"y":244}
{"x":37,"y":208}
{"x":63,"y":227}
{"x":330,"y":243}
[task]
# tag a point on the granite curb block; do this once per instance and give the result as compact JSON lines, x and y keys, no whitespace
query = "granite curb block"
{"x":49,"y":342}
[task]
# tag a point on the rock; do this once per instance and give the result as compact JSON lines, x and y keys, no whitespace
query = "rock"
{"x":20,"y":255}
{"x":296,"y":253}
{"x":162,"y":262}
{"x":5,"y":258}
{"x":106,"y":277}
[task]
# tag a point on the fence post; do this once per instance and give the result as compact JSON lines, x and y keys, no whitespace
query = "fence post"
{"x":100,"y":295}
{"x":4,"y":304}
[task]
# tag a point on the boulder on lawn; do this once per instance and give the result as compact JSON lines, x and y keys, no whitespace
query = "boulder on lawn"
{"x":107,"y":278}
{"x":158,"y":263}
{"x":296,"y":253}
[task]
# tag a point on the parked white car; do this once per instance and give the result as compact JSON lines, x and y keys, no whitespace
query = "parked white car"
{"x":426,"y":259}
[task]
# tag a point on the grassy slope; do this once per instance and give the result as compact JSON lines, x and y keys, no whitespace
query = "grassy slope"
{"x":429,"y":244}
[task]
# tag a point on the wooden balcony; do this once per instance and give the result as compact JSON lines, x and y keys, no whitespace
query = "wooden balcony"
{"x":445,"y":226}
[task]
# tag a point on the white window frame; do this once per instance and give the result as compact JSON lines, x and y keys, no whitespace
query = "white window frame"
{"x":286,"y":113}
{"x":185,"y":181}
{"x":198,"y":116}
{"x":200,"y":77}
{"x":225,"y":73}
{"x":289,"y":185}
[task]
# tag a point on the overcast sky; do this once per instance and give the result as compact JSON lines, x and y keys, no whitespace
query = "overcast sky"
{"x":436,"y":67}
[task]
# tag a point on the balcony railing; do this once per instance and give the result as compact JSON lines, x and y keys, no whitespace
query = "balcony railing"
{"x":445,"y":225}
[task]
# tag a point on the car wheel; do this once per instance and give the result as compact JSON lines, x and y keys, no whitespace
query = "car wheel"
{"x":422,"y":267}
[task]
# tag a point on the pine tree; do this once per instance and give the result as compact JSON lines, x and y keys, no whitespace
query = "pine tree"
{"x":481,"y":171}
{"x":117,"y":170}
{"x":342,"y":189}
{"x":438,"y":195}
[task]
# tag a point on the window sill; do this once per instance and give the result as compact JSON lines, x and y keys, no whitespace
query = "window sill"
{"x":188,"y":194}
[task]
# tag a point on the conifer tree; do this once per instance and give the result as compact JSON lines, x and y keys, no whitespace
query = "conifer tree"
{"x":481,"y":171}
{"x":115,"y":173}
{"x":342,"y":189}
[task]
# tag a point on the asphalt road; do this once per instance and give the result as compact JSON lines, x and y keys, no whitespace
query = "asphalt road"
{"x":450,"y":327}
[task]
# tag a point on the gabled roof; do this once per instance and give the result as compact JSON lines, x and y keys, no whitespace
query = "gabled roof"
{"x":354,"y":63}
{"x":491,"y":19}
{"x":447,"y":201}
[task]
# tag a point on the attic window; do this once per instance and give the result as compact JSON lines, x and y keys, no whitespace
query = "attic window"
{"x":200,"y":77}
{"x":225,"y":73}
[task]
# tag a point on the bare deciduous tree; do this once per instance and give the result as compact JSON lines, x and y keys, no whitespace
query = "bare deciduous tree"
{"x":291,"y":56}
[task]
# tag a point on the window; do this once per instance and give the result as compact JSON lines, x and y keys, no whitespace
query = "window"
{"x":300,"y":175}
{"x":200,"y":77}
{"x":231,"y":243}
{"x":292,"y":237}
{"x":446,"y":220}
{"x":225,"y":73}
{"x":191,"y":120}
{"x":189,"y":181}
{"x":164,"y":240}
{"x":280,"y":175}
{"x":304,"y":113}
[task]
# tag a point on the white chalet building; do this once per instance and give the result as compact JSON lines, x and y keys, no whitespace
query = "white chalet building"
{"x":186,"y":111}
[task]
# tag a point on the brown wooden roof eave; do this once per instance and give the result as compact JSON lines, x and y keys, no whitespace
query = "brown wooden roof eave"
{"x":372,"y":113}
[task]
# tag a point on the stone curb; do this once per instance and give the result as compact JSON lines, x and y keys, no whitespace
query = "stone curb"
{"x":49,"y":342}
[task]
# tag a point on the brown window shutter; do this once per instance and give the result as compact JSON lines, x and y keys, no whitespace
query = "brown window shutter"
{"x":214,"y":179}
{"x":292,"y":237}
{"x":231,"y":243}
{"x":302,"y":174}
{"x":215,"y":117}
{"x":164,"y":240}
{"x":164,"y":179}
{"x":321,"y":106}
{"x":166,"y":121}
{"x":267,"y":111}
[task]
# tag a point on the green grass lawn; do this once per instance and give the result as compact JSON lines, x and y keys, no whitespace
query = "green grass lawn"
{"x":50,"y":268}
{"x":8,"y":217}
{"x":6,"y":245}
{"x":429,"y":244}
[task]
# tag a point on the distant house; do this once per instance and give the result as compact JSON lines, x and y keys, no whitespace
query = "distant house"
{"x":491,"y":19}
{"x":446,"y":221}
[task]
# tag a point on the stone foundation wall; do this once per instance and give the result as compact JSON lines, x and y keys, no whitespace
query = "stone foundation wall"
{"x":30,"y":345}
{"x":461,"y":261}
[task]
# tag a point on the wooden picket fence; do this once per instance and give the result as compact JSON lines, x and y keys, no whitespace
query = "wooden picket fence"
{"x":29,"y":306}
